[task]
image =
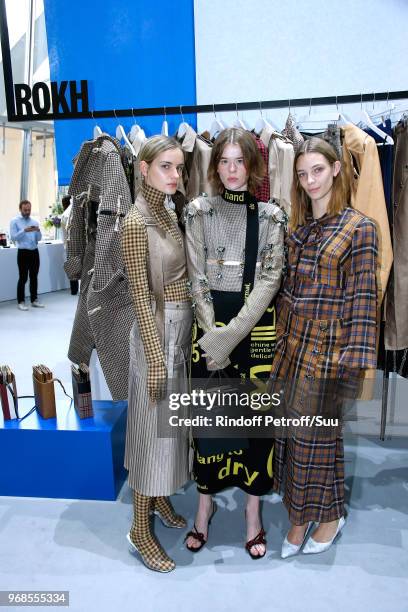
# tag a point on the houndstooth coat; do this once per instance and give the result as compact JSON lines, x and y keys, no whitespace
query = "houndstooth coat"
{"x":105,"y":311}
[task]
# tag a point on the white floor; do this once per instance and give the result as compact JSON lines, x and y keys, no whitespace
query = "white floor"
{"x":79,"y":546}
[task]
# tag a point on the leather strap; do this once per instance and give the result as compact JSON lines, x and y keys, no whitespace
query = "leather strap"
{"x":258,"y":539}
{"x":197,"y":535}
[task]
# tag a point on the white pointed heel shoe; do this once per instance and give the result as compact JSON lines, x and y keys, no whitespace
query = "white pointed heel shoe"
{"x":313,"y":547}
{"x":289,"y":549}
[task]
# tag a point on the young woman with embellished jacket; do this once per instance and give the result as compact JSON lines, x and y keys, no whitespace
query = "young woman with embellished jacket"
{"x":235,"y":256}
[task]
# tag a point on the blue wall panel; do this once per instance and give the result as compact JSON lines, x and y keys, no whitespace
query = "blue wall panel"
{"x":134,"y":54}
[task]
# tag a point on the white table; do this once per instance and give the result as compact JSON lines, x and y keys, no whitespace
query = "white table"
{"x":50,"y":278}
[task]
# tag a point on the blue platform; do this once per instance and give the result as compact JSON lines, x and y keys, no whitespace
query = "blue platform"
{"x":64,"y":457}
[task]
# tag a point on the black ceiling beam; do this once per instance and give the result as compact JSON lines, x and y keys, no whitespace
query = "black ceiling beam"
{"x":6,"y":60}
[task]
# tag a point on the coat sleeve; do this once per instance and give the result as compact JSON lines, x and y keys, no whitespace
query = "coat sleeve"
{"x":281,"y":156}
{"x":358,"y":349}
{"x":80,"y":184}
{"x":196,"y":257}
{"x":38,"y":234}
{"x":135,"y":251}
{"x":369,"y":199}
{"x":116,"y":200}
{"x":15,"y":233}
{"x":219,"y":342}
{"x":286,"y":158}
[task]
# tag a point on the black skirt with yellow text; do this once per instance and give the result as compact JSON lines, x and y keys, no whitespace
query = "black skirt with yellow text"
{"x":219,"y":464}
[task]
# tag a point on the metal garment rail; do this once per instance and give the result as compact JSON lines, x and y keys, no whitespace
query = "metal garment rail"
{"x":259,"y":105}
{"x":188,"y":109}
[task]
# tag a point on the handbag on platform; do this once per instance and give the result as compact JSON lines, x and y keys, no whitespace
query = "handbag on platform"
{"x":8,"y":394}
{"x":81,"y":386}
{"x":44,"y":394}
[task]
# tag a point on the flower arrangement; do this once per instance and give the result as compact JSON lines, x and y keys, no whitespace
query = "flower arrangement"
{"x":54,"y":218}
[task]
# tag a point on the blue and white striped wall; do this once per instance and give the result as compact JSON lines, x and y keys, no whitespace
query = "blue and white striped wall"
{"x":144,"y":53}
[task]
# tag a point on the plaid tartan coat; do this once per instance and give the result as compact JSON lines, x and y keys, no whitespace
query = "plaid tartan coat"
{"x":105,"y":311}
{"x":326,"y":329}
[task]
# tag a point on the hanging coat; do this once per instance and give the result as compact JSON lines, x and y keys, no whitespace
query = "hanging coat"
{"x":105,"y":312}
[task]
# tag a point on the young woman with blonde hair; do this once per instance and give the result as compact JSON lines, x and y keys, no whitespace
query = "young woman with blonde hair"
{"x":160,"y":343}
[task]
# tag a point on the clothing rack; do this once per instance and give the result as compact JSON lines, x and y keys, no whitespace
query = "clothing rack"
{"x":213,"y":108}
{"x":259,"y":105}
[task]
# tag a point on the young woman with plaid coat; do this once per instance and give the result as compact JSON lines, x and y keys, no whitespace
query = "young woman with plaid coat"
{"x":326,"y":336}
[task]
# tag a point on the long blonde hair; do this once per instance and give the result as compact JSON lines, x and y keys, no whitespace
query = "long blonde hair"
{"x":301,"y":203}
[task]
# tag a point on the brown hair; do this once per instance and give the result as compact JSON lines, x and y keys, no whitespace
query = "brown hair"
{"x":20,"y":206}
{"x":254,"y":163}
{"x":301,"y":203}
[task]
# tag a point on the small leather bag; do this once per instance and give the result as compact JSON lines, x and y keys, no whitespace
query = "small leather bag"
{"x":8,"y":394}
{"x":220,"y":380}
{"x":81,"y":386}
{"x":44,"y":391}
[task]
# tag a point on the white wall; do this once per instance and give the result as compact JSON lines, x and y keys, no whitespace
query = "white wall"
{"x":274,"y":49}
{"x":10,"y":176}
{"x":42,"y":187}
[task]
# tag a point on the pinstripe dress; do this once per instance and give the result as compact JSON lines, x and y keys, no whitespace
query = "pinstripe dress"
{"x":154,"y":256}
{"x":326,"y":331}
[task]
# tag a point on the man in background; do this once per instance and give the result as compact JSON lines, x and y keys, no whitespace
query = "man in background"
{"x":25,"y":233}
